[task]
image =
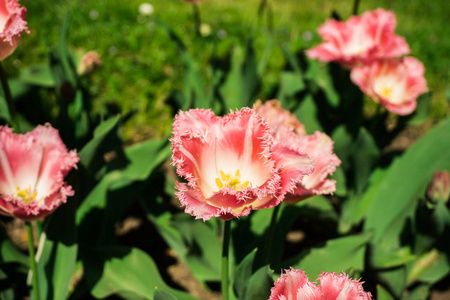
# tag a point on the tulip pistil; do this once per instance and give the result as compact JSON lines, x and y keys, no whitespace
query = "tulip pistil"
{"x":230,"y":181}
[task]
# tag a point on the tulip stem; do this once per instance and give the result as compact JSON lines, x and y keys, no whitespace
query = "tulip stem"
{"x":271,"y":230}
{"x":32,"y":256}
{"x":355,"y":7}
{"x":225,"y":259}
{"x":9,"y":99}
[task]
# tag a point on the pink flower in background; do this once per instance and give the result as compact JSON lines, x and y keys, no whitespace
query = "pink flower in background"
{"x":439,"y":187}
{"x":89,"y":62}
{"x":319,"y":147}
{"x":295,"y":285}
{"x":279,"y":117}
{"x":12,"y":23}
{"x":394,"y":83}
{"x":287,"y":130}
{"x":33,"y":167}
{"x":360,"y":40}
{"x":232,"y":164}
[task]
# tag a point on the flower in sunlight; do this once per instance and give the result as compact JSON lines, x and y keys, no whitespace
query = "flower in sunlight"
{"x":33,"y":167}
{"x":205,"y":29}
{"x":146,"y":9}
{"x":360,"y":40}
{"x":394,"y":83}
{"x":288,"y":130}
{"x":295,"y":285}
{"x":232,"y":164}
{"x":12,"y":23}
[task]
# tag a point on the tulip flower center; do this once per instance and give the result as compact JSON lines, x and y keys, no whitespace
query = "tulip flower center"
{"x":386,"y":92}
{"x":230,"y":181}
{"x":28,"y":195}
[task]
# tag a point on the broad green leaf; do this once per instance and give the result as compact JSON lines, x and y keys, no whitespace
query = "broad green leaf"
{"x":242,"y":274}
{"x":393,"y":198}
{"x":57,"y":254}
{"x":40,"y":75}
{"x":421,"y":292}
{"x":124,"y":269}
{"x":394,"y":279}
{"x":422,"y":110}
{"x":259,"y":285}
{"x":163,"y":295}
{"x":383,"y":294}
{"x":382,"y":258}
{"x":336,"y":255}
{"x":430,"y":267}
{"x":307,"y":113}
{"x":93,"y":151}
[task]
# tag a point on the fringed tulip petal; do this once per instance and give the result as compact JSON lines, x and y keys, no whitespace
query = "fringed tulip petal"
{"x":12,"y":23}
{"x":360,"y":40}
{"x":33,"y":168}
{"x":340,"y":286}
{"x":295,"y":285}
{"x":396,"y":84}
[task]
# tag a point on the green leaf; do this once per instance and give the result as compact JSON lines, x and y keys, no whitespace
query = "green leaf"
{"x":420,"y":292}
{"x":58,"y":253}
{"x":40,"y":75}
{"x":259,"y":285}
{"x":163,"y":295}
{"x":430,"y":267}
{"x":242,"y":274}
{"x":393,"y":199}
{"x":394,"y":280}
{"x":336,"y":255}
{"x":115,"y":270}
{"x":92,"y":152}
{"x":307,"y":113}
{"x":383,"y":294}
{"x":382,"y":258}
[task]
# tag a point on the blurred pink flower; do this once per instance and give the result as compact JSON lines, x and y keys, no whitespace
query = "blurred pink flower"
{"x":394,"y":83}
{"x":362,"y":39}
{"x":89,"y":62}
{"x":295,"y":285}
{"x":33,"y":167}
{"x":12,"y":23}
{"x":232,"y":164}
{"x":439,"y":188}
{"x":287,"y":130}
{"x":279,"y":117}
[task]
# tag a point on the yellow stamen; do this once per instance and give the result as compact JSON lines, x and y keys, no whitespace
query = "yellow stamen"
{"x":230,"y":181}
{"x":26,"y":194}
{"x":386,"y":92}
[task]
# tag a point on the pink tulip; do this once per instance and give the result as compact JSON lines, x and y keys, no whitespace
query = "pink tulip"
{"x":288,"y":130}
{"x":89,"y":62}
{"x":12,"y":23}
{"x":33,"y":167}
{"x":360,"y":40}
{"x":232,"y":164}
{"x":295,"y":285}
{"x":394,"y":83}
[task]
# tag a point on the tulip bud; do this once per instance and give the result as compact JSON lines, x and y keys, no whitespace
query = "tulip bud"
{"x":439,"y":188}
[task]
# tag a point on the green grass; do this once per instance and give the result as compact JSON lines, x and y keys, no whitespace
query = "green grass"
{"x":141,"y":64}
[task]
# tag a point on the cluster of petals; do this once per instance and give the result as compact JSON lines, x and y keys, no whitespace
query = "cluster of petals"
{"x":89,"y":62}
{"x":394,"y":83}
{"x":12,"y":23}
{"x":360,"y":40}
{"x":295,"y":285}
{"x":232,"y":164}
{"x":368,"y":45}
{"x":287,"y":130}
{"x":33,"y":167}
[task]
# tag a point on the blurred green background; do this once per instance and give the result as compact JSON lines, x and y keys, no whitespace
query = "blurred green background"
{"x":141,"y":64}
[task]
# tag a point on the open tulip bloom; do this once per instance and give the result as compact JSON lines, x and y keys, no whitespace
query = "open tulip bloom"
{"x":295,"y":285}
{"x":33,"y":167}
{"x":12,"y":23}
{"x":232,"y":164}
{"x":394,"y":83}
{"x":360,"y":40}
